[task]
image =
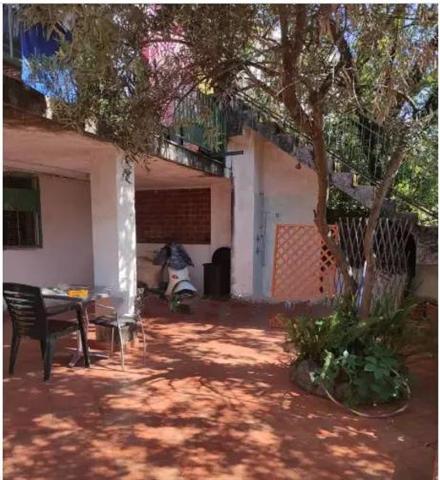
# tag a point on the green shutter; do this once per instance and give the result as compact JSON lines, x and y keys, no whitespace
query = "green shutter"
{"x":20,"y":199}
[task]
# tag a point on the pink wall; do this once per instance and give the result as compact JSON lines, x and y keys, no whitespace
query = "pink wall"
{"x":66,"y":256}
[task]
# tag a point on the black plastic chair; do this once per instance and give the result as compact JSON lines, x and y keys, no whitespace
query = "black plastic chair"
{"x":32,"y":318}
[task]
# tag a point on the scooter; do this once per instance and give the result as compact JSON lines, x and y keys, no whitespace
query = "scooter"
{"x":179,"y":283}
{"x":175,"y":260}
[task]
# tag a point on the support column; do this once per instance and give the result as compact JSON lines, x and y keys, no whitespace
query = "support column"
{"x":220,"y":215}
{"x":246,"y":172}
{"x":114,"y":229}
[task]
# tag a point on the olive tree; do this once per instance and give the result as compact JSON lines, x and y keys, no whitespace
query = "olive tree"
{"x":378,"y":61}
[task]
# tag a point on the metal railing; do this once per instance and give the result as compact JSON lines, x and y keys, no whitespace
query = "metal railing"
{"x":354,"y":145}
{"x":11,"y":34}
{"x":199,"y":120}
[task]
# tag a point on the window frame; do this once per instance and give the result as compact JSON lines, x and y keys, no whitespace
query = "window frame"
{"x":38,"y":230}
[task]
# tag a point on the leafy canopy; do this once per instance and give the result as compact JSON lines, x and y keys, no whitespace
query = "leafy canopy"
{"x":375,"y":62}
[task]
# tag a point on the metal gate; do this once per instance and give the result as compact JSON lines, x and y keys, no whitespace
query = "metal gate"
{"x":305,"y":270}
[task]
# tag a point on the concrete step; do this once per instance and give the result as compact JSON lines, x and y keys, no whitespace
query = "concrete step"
{"x":364,"y":194}
{"x":389,"y":208}
{"x":344,"y":179}
{"x":303,"y":153}
{"x":411,"y":218}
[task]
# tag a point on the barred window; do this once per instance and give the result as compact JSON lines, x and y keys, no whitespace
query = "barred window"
{"x":21,"y":211}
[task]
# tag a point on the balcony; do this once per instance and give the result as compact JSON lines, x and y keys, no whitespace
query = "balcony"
{"x":197,"y":128}
{"x":199,"y":124}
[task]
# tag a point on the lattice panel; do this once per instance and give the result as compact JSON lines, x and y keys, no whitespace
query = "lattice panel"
{"x":392,"y":243}
{"x":303,"y":269}
{"x":394,"y":246}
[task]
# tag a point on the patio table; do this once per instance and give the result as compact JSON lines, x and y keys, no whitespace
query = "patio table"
{"x":55,"y":296}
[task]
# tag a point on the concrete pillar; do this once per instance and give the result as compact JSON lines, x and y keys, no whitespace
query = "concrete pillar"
{"x":246,"y":173}
{"x":220,"y":215}
{"x":114,"y":230}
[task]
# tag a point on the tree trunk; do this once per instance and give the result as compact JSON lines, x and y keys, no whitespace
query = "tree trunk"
{"x":320,"y":158}
{"x":291,"y":50}
{"x":382,"y":190}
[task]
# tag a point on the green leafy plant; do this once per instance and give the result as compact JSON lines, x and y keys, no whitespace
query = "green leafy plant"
{"x":177,"y":306}
{"x":359,"y":361}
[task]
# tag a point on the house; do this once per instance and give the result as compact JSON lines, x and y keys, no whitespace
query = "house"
{"x":85,"y":223}
{"x":81,"y":226}
{"x":73,"y":216}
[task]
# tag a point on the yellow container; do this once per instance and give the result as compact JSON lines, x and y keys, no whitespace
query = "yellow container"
{"x":78,"y":292}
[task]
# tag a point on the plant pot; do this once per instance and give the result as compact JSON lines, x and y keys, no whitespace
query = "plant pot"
{"x":302,"y":373}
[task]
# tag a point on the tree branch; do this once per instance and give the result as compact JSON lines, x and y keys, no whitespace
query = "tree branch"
{"x":290,"y":55}
{"x":379,"y":198}
{"x":320,"y":158}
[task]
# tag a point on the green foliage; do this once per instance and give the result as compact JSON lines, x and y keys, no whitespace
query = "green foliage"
{"x":119,"y":94}
{"x":359,"y":360}
{"x":371,"y":66}
{"x":177,"y":306}
{"x":417,"y":177}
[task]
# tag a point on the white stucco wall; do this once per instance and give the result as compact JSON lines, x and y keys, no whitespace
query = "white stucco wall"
{"x":220,"y":237}
{"x":289,"y":197}
{"x":221,"y":213}
{"x":246,"y":185}
{"x":114,"y":229}
{"x":268,"y":190}
{"x":426,"y":282}
{"x":66,"y":255}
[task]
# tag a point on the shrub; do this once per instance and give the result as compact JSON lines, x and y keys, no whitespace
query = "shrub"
{"x":359,"y":361}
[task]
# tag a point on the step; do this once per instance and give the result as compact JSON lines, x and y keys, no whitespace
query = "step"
{"x":389,"y":208}
{"x":411,"y":218}
{"x":362,"y":193}
{"x":303,"y":153}
{"x":342,"y":179}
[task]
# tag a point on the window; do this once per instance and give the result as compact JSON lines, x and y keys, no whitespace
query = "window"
{"x":21,"y":211}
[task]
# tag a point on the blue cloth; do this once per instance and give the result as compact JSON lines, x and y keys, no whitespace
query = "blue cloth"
{"x":34,"y":45}
{"x":175,"y":255}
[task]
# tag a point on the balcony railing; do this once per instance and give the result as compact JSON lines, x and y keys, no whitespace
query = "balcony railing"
{"x":200,"y":121}
{"x":357,"y":145}
{"x":11,"y":34}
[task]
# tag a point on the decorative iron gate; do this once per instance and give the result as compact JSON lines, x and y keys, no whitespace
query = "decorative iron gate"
{"x":394,"y":251}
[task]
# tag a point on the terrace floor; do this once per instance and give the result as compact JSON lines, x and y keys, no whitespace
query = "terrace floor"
{"x":212,"y":402}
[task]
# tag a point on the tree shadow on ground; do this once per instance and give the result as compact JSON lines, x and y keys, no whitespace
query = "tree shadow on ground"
{"x":212,"y":401}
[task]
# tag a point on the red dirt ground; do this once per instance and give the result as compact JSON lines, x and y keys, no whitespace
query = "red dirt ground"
{"x":212,"y":402}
